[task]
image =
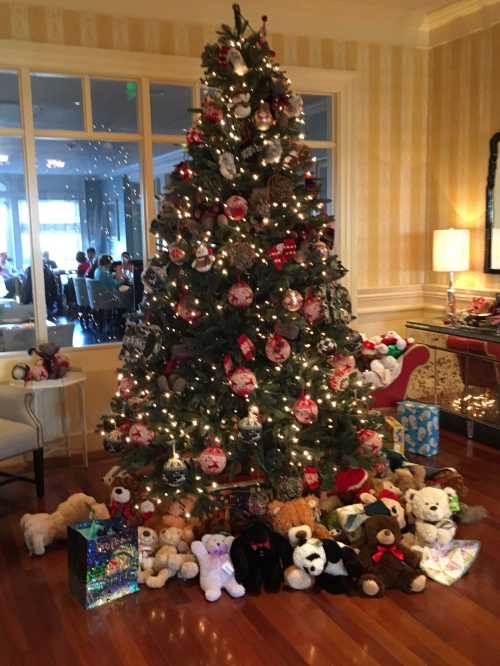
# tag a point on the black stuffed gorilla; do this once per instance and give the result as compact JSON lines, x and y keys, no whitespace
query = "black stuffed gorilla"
{"x":259,"y":557}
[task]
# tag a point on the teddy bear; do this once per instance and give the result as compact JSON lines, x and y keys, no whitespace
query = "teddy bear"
{"x":55,"y":364}
{"x":386,"y":561}
{"x":148,"y":545}
{"x":410,"y":477}
{"x":171,"y":559}
{"x":299,"y":511}
{"x":177,"y":513}
{"x":352,"y":483}
{"x":429,"y":509}
{"x":329,"y":564}
{"x":259,"y":556}
{"x":41,"y":529}
{"x":216,"y":568}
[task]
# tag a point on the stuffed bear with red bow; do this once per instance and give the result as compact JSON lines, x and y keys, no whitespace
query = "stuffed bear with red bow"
{"x":388,"y":564}
{"x":259,"y":556}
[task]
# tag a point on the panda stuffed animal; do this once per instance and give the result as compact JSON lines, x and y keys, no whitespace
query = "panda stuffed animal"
{"x":331,"y":564}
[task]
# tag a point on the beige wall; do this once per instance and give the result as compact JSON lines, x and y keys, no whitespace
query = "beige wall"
{"x":464,"y":114}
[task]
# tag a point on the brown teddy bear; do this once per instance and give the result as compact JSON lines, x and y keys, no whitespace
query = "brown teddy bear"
{"x":387,"y":562}
{"x":300,"y":511}
{"x":409,"y":478}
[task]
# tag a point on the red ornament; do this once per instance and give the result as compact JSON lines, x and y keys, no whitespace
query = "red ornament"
{"x":292,"y":300}
{"x":247,"y":347}
{"x":370,"y":441}
{"x":305,"y":410}
{"x":223,"y":55}
{"x":311,"y":479}
{"x":212,"y":112}
{"x":278,"y":349}
{"x":236,"y":208}
{"x":177,"y":253}
{"x":240,"y":295}
{"x":184,"y":171}
{"x":212,"y":460}
{"x":282,"y":253}
{"x":313,"y":308}
{"x":194,"y":136}
{"x":339,"y":379}
{"x":242,"y":381}
{"x":140,"y":434}
{"x":125,"y":386}
{"x":186,"y":310}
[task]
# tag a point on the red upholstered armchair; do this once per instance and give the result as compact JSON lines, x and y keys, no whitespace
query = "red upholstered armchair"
{"x":388,"y":396}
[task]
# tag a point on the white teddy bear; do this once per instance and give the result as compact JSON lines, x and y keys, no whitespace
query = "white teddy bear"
{"x":171,"y":559}
{"x":216,"y":569}
{"x":430,"y":510}
{"x":41,"y":529}
{"x":148,"y":545}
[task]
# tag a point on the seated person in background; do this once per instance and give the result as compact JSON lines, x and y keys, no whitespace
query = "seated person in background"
{"x":47,"y":261}
{"x":83,"y":264}
{"x":128,"y":267}
{"x":51,"y":290}
{"x":103,"y":273}
{"x":92,"y":257}
{"x":9,"y":274}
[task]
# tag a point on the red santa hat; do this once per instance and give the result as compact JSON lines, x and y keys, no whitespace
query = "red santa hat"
{"x":350,"y":480}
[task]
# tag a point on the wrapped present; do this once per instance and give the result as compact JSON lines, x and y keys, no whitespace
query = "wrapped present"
{"x":421,"y":427}
{"x":103,"y":561}
{"x":450,"y":562}
{"x":350,"y":519}
{"x":396,"y":435}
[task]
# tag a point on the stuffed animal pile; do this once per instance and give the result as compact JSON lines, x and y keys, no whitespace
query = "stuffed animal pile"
{"x":369,"y":534}
{"x":381,"y":357}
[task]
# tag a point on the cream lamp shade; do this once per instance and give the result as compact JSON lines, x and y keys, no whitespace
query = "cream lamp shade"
{"x":450,"y":251}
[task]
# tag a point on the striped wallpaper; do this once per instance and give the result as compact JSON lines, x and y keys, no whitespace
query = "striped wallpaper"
{"x":390,"y":118}
{"x":464,"y":114}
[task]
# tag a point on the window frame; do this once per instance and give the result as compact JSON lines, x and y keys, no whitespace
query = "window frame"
{"x":174,"y":70}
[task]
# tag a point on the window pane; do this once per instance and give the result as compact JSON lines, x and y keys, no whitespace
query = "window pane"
{"x":57,"y":102}
{"x":17,"y":330}
{"x":169,"y":108}
{"x":114,"y":105}
{"x":165,"y":157}
{"x":10,"y":111}
{"x":323,"y":170}
{"x":318,"y":117}
{"x":90,"y":197}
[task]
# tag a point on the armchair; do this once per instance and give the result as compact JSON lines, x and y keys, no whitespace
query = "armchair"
{"x":20,"y":432}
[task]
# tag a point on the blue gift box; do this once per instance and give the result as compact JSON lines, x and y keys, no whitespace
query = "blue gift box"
{"x":421,"y":424}
{"x":103,"y":561}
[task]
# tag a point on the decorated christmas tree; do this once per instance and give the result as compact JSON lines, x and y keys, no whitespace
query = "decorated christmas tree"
{"x":241,"y":363}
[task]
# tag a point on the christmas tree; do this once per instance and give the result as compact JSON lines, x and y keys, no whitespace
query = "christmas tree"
{"x":242,"y":359}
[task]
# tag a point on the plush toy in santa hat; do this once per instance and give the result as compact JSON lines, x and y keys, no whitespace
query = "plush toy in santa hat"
{"x":351,"y":483}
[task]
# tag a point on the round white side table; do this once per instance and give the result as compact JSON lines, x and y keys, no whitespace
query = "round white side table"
{"x":73,"y":378}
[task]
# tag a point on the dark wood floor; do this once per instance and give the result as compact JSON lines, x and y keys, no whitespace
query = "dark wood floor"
{"x":40,"y":623}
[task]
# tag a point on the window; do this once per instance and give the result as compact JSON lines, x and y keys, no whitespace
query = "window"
{"x":10,"y":114}
{"x":17,"y":331}
{"x":114,"y":105}
{"x":96,"y":189}
{"x":57,"y":102}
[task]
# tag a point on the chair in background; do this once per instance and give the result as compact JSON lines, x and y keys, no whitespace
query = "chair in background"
{"x":82,"y":301}
{"x":106,"y":307}
{"x":20,"y":433}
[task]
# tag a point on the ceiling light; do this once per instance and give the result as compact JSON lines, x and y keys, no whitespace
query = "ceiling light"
{"x":4,"y":159}
{"x":55,"y":164}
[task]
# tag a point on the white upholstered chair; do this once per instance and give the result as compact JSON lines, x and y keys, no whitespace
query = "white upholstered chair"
{"x":20,"y":433}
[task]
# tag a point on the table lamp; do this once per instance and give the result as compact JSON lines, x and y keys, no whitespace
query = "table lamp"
{"x":450,"y":254}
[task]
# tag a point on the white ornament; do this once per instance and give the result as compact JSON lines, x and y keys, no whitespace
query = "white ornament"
{"x":227,"y":166}
{"x":238,"y":63}
{"x":273,"y":151}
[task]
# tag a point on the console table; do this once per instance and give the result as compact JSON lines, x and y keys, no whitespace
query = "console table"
{"x":463,"y":374}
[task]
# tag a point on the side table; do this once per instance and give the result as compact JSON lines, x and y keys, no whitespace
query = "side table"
{"x":73,"y":378}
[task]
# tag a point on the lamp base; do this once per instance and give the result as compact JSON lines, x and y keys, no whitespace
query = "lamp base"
{"x":451,"y":300}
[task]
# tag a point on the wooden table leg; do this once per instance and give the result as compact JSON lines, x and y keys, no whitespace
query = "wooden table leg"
{"x":83,"y":423}
{"x":64,"y":413}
